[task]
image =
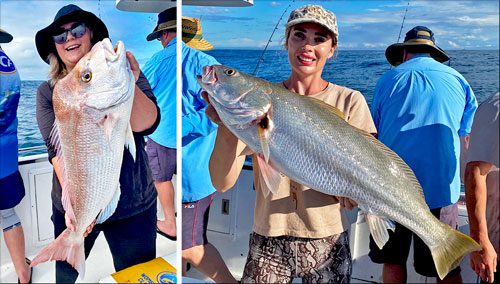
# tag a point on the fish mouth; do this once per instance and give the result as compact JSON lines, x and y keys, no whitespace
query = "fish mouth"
{"x":112,"y":53}
{"x":209,"y":77}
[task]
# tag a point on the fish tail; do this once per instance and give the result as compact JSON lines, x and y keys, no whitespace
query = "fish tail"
{"x":449,"y":253}
{"x":66,"y":247}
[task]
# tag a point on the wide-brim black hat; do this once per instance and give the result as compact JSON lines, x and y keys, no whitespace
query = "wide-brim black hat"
{"x":5,"y":37}
{"x":69,"y":13}
{"x":419,"y":39}
{"x":166,"y":20}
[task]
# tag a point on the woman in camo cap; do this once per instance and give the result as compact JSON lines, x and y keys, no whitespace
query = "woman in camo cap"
{"x":298,"y":232}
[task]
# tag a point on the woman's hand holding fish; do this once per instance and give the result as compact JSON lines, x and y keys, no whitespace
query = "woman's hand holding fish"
{"x":347,"y":203}
{"x":71,"y":226}
{"x":484,"y":262}
{"x":134,"y":65}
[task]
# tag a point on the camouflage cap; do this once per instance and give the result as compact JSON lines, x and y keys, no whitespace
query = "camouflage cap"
{"x":313,"y":14}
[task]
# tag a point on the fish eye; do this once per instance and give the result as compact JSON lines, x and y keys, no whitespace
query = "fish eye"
{"x":86,"y":76}
{"x":230,"y":72}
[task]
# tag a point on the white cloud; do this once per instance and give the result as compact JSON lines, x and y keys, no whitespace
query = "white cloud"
{"x":489,"y":20}
{"x":374,"y":45}
{"x":453,"y":45}
{"x":274,"y":3}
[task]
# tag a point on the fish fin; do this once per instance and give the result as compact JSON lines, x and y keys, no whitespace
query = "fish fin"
{"x":269,"y":177}
{"x":65,"y":198}
{"x":107,"y":123}
{"x":378,"y":228}
{"x":264,"y":144}
{"x":110,"y":208}
{"x":130,"y":142}
{"x":66,"y":247}
{"x":449,"y":253}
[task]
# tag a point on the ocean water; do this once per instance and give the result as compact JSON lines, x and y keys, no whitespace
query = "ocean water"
{"x":358,"y":70}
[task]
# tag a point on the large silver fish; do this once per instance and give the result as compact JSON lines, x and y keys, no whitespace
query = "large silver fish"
{"x":92,"y":106}
{"x":310,"y":142}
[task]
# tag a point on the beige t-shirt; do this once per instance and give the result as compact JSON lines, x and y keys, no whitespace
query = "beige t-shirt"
{"x":484,"y":146}
{"x":299,"y":211}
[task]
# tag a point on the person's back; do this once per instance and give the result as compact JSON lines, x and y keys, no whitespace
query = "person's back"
{"x":419,"y":109}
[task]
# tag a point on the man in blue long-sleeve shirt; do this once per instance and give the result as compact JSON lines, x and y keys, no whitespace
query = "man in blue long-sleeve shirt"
{"x":198,"y":138}
{"x":160,"y":71}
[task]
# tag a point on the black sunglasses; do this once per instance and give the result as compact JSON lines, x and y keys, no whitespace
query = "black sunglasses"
{"x":77,"y":31}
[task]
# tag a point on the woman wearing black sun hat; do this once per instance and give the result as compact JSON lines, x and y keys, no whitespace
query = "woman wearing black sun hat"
{"x":130,"y":232}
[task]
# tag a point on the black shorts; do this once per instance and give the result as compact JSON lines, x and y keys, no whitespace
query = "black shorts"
{"x":195,"y":222}
{"x":162,"y":161}
{"x":397,"y":248}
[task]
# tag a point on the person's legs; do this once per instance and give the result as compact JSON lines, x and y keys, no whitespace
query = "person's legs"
{"x":163,"y":163}
{"x":270,"y":260}
{"x":132,"y":240}
{"x":423,"y":261}
{"x":65,"y":273}
{"x":393,"y":255}
{"x":326,"y":260}
{"x":207,"y":259}
{"x":195,"y":246}
{"x":166,"y":196}
{"x":14,"y":240}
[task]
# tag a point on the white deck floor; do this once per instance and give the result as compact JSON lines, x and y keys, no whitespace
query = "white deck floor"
{"x":99,"y":264}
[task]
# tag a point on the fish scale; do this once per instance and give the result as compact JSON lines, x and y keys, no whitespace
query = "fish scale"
{"x":311,"y":143}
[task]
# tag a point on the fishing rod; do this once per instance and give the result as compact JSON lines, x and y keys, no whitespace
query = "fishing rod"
{"x":402,"y":23}
{"x":254,"y":73}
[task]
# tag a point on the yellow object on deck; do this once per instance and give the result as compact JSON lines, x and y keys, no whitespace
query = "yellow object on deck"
{"x":157,"y":270}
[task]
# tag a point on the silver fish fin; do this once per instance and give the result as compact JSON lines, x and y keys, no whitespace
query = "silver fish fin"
{"x":270,"y":176}
{"x":264,"y":145}
{"x":378,"y":228}
{"x":107,"y":123}
{"x":110,"y":208}
{"x":65,"y":198}
{"x":130,"y":142}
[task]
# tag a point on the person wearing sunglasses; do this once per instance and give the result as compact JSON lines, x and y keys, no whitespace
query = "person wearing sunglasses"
{"x":131,"y":231}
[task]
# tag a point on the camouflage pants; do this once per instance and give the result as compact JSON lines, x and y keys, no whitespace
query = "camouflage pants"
{"x":280,"y":259}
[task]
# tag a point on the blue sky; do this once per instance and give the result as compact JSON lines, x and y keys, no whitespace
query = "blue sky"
{"x":362,"y":24}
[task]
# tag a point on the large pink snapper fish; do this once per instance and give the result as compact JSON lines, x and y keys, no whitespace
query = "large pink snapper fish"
{"x":310,"y":142}
{"x":92,"y":107}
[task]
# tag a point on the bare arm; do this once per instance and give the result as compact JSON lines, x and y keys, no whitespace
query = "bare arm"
{"x":144,"y":111}
{"x":483,"y":262}
{"x":226,"y":160}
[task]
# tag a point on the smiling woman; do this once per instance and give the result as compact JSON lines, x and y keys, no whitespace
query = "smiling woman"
{"x":73,"y":36}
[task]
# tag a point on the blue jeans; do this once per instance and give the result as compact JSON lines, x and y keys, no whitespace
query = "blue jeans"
{"x":131,"y":241}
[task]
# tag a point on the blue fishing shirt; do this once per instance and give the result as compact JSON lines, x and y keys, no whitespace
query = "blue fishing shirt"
{"x":160,"y":71}
{"x":10,"y":93}
{"x":198,"y":131}
{"x":420,"y":109}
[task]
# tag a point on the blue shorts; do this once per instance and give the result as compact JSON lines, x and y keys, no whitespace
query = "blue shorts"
{"x":195,"y":222}
{"x":11,"y":190}
{"x":162,"y":161}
